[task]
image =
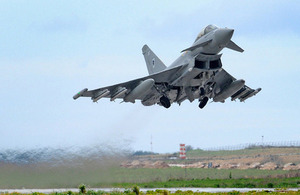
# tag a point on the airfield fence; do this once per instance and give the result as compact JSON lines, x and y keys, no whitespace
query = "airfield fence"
{"x":255,"y":145}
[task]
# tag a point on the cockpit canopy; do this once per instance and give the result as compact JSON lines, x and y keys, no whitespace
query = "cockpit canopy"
{"x":206,"y":30}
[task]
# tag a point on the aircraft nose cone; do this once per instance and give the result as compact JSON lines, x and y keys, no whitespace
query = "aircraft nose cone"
{"x":228,"y":32}
{"x":223,"y":36}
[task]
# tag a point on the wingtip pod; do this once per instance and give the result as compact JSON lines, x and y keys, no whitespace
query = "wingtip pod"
{"x":77,"y":95}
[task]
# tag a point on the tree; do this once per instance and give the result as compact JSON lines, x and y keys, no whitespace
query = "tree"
{"x":82,"y":189}
{"x":189,"y":148}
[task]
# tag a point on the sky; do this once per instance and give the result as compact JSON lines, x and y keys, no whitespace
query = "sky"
{"x":50,"y":50}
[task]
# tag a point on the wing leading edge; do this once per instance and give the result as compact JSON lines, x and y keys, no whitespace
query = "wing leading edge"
{"x":150,"y":89}
{"x":137,"y":89}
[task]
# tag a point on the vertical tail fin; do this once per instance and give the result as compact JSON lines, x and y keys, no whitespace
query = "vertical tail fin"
{"x":154,"y":64}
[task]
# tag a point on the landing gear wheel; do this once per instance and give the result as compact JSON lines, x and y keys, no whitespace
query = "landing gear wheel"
{"x":203,"y":102}
{"x":165,"y":102}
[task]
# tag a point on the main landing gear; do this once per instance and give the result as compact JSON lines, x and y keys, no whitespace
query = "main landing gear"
{"x":203,"y":102}
{"x":165,"y":102}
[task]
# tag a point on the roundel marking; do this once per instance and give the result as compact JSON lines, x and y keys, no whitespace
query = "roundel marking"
{"x":153,"y":62}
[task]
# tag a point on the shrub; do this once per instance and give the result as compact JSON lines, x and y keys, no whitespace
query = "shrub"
{"x":82,"y":188}
{"x":150,"y":192}
{"x":166,"y":192}
{"x":234,"y":192}
{"x":238,"y":185}
{"x":91,"y":192}
{"x":69,"y":192}
{"x":127,"y":191}
{"x":270,"y":185}
{"x":136,"y":190}
{"x":189,"y":192}
{"x":116,"y":193}
{"x":250,"y":185}
{"x":100,"y":192}
{"x":188,"y":148}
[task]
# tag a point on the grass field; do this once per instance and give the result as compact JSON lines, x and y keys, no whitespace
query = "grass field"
{"x":246,"y":152}
{"x":219,"y":183}
{"x":107,"y":172}
{"x":164,"y":192}
{"x":99,"y":175}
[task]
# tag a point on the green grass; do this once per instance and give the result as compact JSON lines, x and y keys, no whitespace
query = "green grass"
{"x":144,"y":174}
{"x":100,"y":175}
{"x":251,"y":151}
{"x":161,"y":192}
{"x":219,"y":183}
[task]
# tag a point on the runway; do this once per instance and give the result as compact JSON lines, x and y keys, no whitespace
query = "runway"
{"x":211,"y":190}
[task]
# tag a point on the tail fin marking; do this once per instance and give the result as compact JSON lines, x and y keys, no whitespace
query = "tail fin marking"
{"x":154,"y":64}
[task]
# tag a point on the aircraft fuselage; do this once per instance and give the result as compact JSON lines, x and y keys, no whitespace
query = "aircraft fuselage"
{"x":214,"y":40}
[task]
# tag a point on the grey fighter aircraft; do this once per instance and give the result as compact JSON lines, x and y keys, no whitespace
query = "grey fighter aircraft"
{"x":196,"y":74}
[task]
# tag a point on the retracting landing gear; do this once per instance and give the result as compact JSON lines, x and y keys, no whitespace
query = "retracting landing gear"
{"x":203,"y":102}
{"x":202,"y":91}
{"x":165,"y":102}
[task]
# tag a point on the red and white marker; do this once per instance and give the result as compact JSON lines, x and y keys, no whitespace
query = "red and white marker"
{"x":182,"y":151}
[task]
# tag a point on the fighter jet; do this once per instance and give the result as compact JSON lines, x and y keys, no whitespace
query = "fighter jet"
{"x":196,"y":74}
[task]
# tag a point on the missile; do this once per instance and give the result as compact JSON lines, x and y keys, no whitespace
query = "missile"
{"x":77,"y":95}
{"x":118,"y":93}
{"x":100,"y":94}
{"x":229,"y":90}
{"x":139,"y":90}
{"x":254,"y":92}
{"x":239,"y":94}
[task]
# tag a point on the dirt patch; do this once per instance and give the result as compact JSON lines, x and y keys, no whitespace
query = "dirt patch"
{"x":291,"y":166}
{"x":201,"y":165}
{"x":145,"y":164}
{"x":269,"y":166}
{"x":261,"y":158}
